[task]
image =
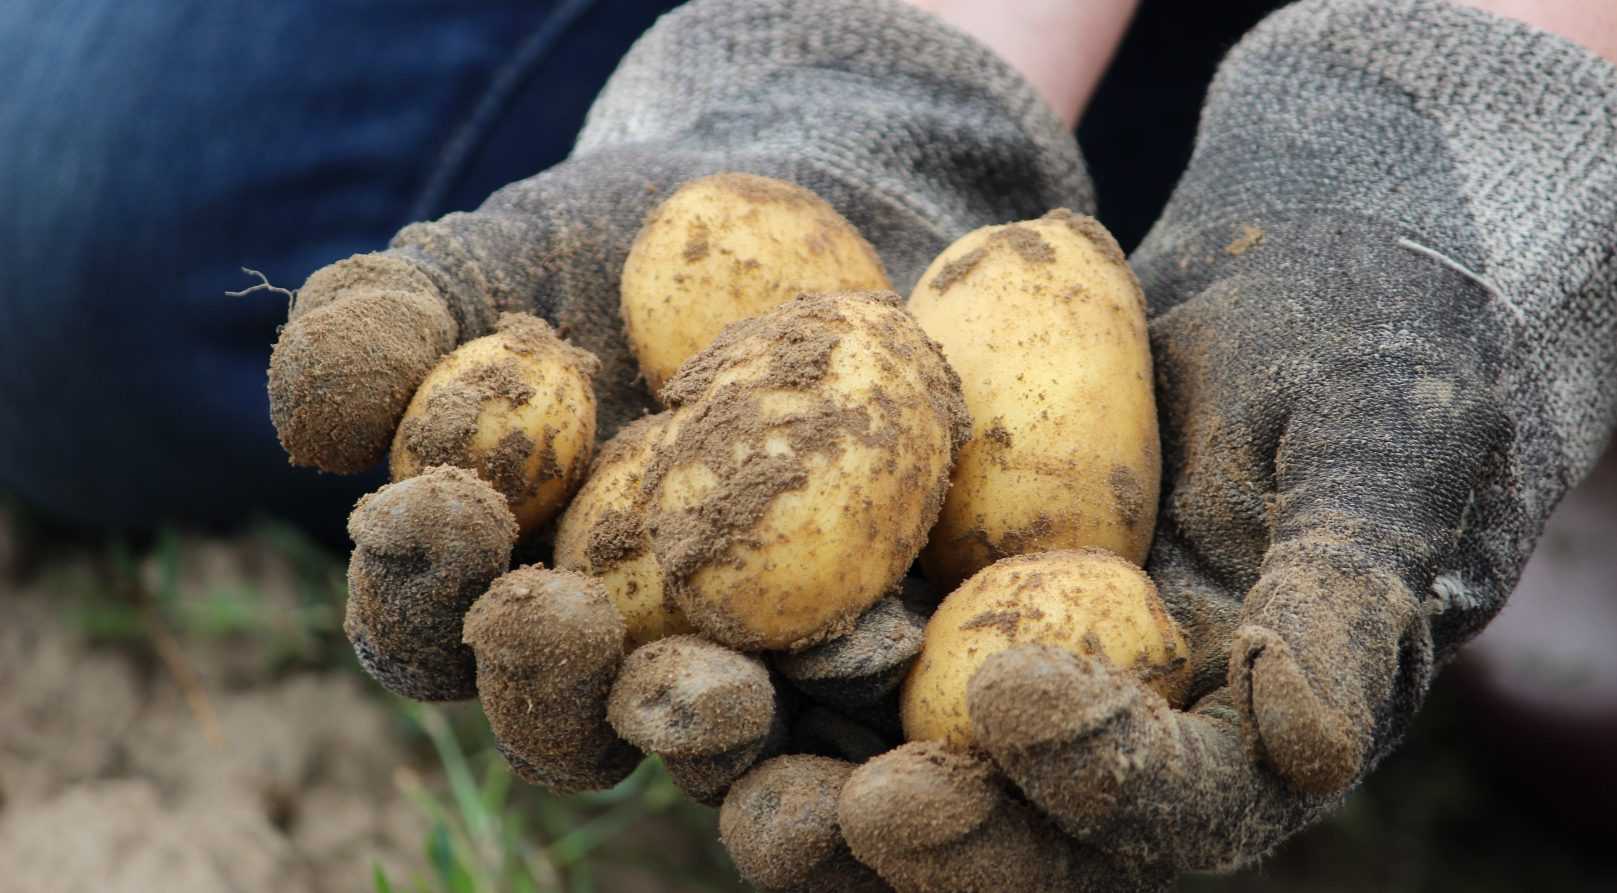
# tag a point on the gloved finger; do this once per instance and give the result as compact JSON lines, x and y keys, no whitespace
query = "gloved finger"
{"x":361,"y":336}
{"x":1116,"y":767}
{"x":779,"y":824}
{"x":365,"y":331}
{"x":548,"y":645}
{"x":1372,"y":483}
{"x":863,"y":667}
{"x":708,"y":711}
{"x":928,"y":820}
{"x":424,"y":549}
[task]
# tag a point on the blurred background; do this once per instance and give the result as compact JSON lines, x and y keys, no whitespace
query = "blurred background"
{"x":178,"y":707}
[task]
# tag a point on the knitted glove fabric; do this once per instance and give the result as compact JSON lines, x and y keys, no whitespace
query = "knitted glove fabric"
{"x":1384,"y":305}
{"x":912,"y":131}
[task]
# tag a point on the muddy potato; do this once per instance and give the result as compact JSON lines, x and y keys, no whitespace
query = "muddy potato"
{"x":602,"y":534}
{"x":516,"y":407}
{"x":806,"y":456}
{"x":1045,"y":323}
{"x":727,"y":247}
{"x":1089,"y":602}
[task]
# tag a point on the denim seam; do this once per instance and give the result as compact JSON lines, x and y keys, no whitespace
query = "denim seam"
{"x":507,"y":80}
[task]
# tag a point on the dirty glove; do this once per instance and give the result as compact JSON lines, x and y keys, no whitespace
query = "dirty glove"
{"x":914,"y":133}
{"x":1384,"y":303}
{"x":911,"y":131}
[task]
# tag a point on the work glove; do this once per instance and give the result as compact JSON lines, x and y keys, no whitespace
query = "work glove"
{"x":913,"y":132}
{"x":1384,"y":322}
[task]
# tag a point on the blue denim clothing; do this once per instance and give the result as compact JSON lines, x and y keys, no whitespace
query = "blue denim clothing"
{"x":150,"y":149}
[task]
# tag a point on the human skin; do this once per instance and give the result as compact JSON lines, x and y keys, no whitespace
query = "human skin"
{"x":1591,"y":23}
{"x":1063,"y":47}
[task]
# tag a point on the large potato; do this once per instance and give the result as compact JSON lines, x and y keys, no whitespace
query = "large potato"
{"x":806,"y":457}
{"x":1045,"y":323}
{"x":602,"y":534}
{"x":516,"y":407}
{"x":1090,"y":602}
{"x":727,"y":247}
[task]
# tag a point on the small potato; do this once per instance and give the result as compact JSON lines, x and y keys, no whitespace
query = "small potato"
{"x":806,"y":457}
{"x":1089,"y":602}
{"x":602,"y":534}
{"x":1045,"y":323}
{"x":516,"y":407}
{"x":727,"y":247}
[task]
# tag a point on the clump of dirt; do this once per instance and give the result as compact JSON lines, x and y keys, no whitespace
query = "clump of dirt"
{"x":344,"y":369}
{"x":1024,"y":241}
{"x":779,"y":823}
{"x":686,"y":696}
{"x":1129,"y":495}
{"x":548,"y":645}
{"x":425,"y":548}
{"x":1093,"y":230}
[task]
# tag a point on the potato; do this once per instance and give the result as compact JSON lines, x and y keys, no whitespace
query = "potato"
{"x":1045,"y":323}
{"x":516,"y":407}
{"x":602,"y":534}
{"x":806,"y":456}
{"x":1090,"y":602}
{"x":727,"y":247}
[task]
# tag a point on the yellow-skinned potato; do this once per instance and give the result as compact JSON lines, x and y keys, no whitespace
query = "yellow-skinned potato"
{"x":1090,"y":602}
{"x":602,"y":534}
{"x":516,"y":407}
{"x":727,"y":247}
{"x":1045,"y":323}
{"x":807,"y":455}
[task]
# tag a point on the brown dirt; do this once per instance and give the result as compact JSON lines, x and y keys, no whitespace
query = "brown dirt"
{"x":779,"y":823}
{"x":110,"y":779}
{"x":1129,"y":495}
{"x":797,"y":339}
{"x":684,"y":696}
{"x":441,"y":428}
{"x":342,"y":373}
{"x":930,"y":819}
{"x":1093,"y":230}
{"x":425,"y":548}
{"x":548,"y":645}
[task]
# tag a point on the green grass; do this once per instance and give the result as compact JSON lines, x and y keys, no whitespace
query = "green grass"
{"x":132,"y":593}
{"x":488,"y":832}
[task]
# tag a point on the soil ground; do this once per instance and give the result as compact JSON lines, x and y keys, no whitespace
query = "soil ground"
{"x":183,"y":715}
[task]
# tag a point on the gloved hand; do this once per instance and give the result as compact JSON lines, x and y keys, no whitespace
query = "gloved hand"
{"x":1384,"y":302}
{"x":914,"y":133}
